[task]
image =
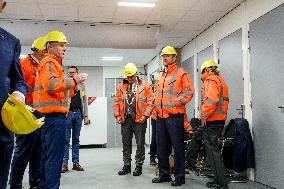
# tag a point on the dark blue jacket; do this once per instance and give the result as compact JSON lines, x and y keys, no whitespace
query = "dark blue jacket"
{"x":11,"y":77}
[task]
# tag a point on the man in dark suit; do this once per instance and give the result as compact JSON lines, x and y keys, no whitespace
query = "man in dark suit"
{"x":11,"y":81}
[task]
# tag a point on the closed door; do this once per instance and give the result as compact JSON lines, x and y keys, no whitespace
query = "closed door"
{"x":188,"y":65}
{"x":201,"y":57}
{"x":267,"y":85}
{"x":231,"y":69}
{"x":113,"y":129}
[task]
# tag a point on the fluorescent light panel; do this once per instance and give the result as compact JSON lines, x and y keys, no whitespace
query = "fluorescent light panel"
{"x":23,"y":56}
{"x":114,"y":58}
{"x":136,"y":4}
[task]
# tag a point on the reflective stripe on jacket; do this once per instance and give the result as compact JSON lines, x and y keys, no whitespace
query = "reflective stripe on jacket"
{"x":52,"y":91}
{"x":144,"y":102}
{"x":215,"y":99}
{"x":173,"y":90}
{"x":29,"y":66}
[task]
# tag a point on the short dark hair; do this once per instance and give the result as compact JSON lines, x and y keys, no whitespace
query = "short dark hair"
{"x":74,"y":68}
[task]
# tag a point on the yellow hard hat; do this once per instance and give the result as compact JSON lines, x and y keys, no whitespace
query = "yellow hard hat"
{"x":56,"y":36}
{"x":130,"y":69}
{"x":208,"y":64}
{"x":39,"y":44}
{"x":18,"y":118}
{"x":168,"y":50}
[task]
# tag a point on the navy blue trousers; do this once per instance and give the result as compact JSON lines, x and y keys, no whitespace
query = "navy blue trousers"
{"x":6,"y":150}
{"x":170,"y":133}
{"x":53,"y":135}
{"x":153,"y":145}
{"x":27,"y":150}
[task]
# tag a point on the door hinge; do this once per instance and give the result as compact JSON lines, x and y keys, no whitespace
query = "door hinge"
{"x":250,"y":104}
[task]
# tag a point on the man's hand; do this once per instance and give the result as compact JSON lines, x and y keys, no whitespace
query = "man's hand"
{"x":142,"y":119}
{"x":87,"y":121}
{"x":18,"y":97}
{"x":189,"y":129}
{"x":118,"y":120}
{"x":81,"y":78}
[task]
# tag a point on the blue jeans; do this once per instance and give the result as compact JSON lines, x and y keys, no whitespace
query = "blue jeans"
{"x":53,"y":138}
{"x":74,"y":123}
{"x":27,"y":151}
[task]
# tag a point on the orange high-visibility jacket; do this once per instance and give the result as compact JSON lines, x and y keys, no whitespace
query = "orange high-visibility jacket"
{"x":29,"y":66}
{"x":173,"y":90}
{"x":144,"y":100}
{"x":52,"y":91}
{"x":215,"y":99}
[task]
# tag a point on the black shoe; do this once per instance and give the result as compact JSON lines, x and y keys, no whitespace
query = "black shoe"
{"x":178,"y":182}
{"x":137,"y":171}
{"x":162,"y":179}
{"x":125,"y":170}
{"x":216,"y":185}
{"x":153,"y":161}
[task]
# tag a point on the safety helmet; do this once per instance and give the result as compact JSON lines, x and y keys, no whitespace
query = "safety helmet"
{"x":39,"y":44}
{"x":130,"y":69}
{"x":56,"y":36}
{"x":168,"y":50}
{"x":208,"y":64}
{"x":19,"y":118}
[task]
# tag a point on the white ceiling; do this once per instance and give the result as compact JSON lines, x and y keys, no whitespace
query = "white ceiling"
{"x":119,"y":30}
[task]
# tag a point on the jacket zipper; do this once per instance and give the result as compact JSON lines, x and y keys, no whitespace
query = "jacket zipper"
{"x":163,"y":95}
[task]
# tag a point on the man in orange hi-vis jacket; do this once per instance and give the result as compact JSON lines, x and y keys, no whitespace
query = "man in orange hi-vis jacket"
{"x":51,"y":97}
{"x":28,"y":146}
{"x":173,"y":90}
{"x":133,"y":105}
{"x":214,"y":107}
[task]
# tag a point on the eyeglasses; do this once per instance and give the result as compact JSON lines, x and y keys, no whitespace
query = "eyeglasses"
{"x":71,"y":73}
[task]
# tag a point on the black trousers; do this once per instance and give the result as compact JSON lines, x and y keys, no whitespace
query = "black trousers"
{"x":153,"y":145}
{"x":6,"y":151}
{"x":194,"y":147}
{"x":215,"y":159}
{"x":128,"y":128}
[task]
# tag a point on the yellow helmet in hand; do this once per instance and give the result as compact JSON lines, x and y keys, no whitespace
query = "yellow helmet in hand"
{"x":19,"y":118}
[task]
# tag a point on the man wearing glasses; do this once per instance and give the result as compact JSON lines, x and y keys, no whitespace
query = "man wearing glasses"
{"x":78,"y":111}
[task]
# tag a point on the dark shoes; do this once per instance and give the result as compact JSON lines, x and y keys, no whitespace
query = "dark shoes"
{"x":137,"y":171}
{"x":64,"y":168}
{"x":216,"y":185}
{"x":161,"y":179}
{"x":178,"y":182}
{"x":77,"y":167}
{"x":153,"y":161}
{"x":125,"y":170}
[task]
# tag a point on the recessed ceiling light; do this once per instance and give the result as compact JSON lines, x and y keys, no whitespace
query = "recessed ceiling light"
{"x":112,"y":58}
{"x":136,"y":4}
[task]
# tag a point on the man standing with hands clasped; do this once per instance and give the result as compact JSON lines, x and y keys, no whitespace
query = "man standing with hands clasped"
{"x":132,"y":107}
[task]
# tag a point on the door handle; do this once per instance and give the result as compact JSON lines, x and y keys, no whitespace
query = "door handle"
{"x":281,"y":107}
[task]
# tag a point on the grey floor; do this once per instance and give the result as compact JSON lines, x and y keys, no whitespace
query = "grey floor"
{"x":101,"y":166}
